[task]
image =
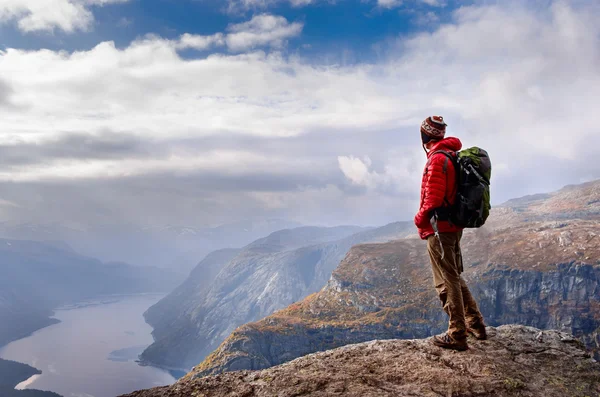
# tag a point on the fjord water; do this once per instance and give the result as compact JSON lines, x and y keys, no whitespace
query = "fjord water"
{"x":92,"y":351}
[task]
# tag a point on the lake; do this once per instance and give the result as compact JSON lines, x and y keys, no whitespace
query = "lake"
{"x":92,"y":351}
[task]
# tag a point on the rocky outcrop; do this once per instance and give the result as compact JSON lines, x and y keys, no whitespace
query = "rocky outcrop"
{"x":265,"y":276}
{"x":384,"y":291}
{"x":514,"y":361}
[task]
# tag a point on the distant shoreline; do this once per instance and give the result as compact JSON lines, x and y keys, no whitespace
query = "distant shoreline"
{"x":104,"y":300}
{"x":43,"y":323}
{"x":23,"y":385}
{"x":177,"y":373}
{"x":50,"y":320}
{"x":18,"y":383}
{"x":15,"y":377}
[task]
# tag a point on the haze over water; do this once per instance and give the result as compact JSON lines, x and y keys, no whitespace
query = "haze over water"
{"x":74,"y":354}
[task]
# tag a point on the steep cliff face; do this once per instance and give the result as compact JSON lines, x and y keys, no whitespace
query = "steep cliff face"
{"x":164,"y":314}
{"x":542,"y":274}
{"x":514,"y":361}
{"x":265,"y":276}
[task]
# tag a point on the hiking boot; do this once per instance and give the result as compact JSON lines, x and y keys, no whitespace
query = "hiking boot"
{"x":447,"y":342}
{"x":478,"y":332}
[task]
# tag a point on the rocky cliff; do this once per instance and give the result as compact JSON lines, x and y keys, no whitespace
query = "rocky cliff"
{"x":514,"y":361}
{"x":165,"y":314}
{"x":544,"y":273}
{"x":265,"y":276}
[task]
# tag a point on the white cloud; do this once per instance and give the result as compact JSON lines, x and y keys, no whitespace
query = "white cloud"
{"x":200,"y":42}
{"x":357,"y":170}
{"x":398,"y":3}
{"x":389,"y":3}
{"x":182,"y":163}
{"x":427,"y":18}
{"x":245,"y":5}
{"x":435,"y":3}
{"x":528,"y":95}
{"x":261,"y":30}
{"x":125,"y":22}
{"x":392,"y":178}
{"x":47,"y":15}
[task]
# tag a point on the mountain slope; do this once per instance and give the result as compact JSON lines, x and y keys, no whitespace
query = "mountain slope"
{"x":545,"y":274}
{"x":571,"y":202}
{"x":37,"y":277}
{"x":265,"y":276}
{"x":515,"y":361}
{"x":177,"y":303}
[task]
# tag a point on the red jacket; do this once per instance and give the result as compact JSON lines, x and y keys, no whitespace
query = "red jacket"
{"x":439,"y":182}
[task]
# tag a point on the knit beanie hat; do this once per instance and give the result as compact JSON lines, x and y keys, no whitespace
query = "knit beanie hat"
{"x":433,"y":129}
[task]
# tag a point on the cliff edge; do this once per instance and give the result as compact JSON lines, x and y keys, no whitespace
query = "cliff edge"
{"x":515,"y":361}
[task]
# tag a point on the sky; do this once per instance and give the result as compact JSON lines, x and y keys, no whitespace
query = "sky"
{"x":202,"y":112}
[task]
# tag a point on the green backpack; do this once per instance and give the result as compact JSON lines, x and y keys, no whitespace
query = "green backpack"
{"x":473,"y":173}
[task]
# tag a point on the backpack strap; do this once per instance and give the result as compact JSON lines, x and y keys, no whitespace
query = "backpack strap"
{"x":449,"y":157}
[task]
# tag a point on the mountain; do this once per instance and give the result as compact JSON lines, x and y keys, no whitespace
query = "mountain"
{"x":164,"y":315}
{"x":175,"y":247}
{"x":541,"y":272}
{"x":265,"y":276}
{"x":37,"y":277}
{"x":514,"y":361}
{"x":571,"y":202}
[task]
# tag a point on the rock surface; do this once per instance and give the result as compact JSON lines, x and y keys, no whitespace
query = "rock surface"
{"x":514,"y":361}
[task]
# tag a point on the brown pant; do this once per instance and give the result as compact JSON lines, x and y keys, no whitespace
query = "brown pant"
{"x":451,"y":288}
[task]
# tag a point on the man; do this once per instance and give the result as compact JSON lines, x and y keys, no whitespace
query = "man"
{"x":438,"y":191}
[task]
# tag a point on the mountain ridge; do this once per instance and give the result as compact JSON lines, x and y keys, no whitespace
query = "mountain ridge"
{"x":267,"y":275}
{"x":174,"y":247}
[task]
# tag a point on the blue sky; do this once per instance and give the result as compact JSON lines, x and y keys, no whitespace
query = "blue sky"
{"x":200,"y":113}
{"x":346,"y":30}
